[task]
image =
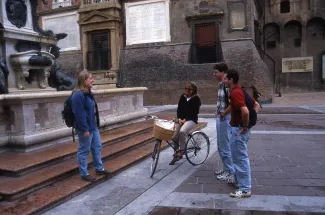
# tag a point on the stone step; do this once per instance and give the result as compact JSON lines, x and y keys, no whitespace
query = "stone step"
{"x":14,"y":188}
{"x":17,"y":164}
{"x":58,"y":192}
{"x":51,"y":196}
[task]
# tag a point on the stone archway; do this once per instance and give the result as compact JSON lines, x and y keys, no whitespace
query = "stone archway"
{"x":292,"y":38}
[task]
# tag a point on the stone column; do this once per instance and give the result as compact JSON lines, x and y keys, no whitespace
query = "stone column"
{"x":303,"y":40}
{"x":113,"y":49}
{"x":85,"y":49}
{"x":281,"y":56}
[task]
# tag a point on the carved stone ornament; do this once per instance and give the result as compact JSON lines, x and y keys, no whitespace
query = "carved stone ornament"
{"x":17,"y":12}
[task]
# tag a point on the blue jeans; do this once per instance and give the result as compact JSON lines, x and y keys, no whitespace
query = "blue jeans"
{"x":223,"y":136}
{"x":239,"y":151}
{"x":93,"y":143}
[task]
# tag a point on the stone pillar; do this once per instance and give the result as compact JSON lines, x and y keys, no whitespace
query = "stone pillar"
{"x":85,"y":49}
{"x":113,"y":49}
{"x":281,"y":56}
{"x":303,"y":39}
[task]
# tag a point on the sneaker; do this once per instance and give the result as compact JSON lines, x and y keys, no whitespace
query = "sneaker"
{"x":231,"y":182}
{"x":218,"y":172}
{"x":224,"y":176}
{"x":240,"y":194}
{"x":103,"y":172}
{"x":88,"y":178}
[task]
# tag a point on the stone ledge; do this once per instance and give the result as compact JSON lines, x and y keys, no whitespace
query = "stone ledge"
{"x":24,"y":96}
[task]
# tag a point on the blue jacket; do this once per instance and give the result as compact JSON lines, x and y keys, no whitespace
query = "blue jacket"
{"x":84,"y":108}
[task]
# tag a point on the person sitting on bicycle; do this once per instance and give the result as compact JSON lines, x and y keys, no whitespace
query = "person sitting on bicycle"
{"x":187,"y":117}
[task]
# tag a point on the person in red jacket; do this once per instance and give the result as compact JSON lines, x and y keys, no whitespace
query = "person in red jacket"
{"x":187,"y":115}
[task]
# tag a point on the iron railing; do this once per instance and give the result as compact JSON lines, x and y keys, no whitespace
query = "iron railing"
{"x":99,"y":60}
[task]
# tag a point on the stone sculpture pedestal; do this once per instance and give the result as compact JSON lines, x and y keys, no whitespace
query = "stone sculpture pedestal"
{"x":31,"y":121}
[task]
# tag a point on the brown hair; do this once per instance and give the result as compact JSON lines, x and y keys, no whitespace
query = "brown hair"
{"x":194,"y":88}
{"x":82,"y":77}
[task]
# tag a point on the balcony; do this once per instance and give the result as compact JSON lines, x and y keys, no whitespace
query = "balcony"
{"x":61,"y":3}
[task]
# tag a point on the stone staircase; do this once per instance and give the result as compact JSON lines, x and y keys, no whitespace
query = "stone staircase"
{"x":34,"y":182}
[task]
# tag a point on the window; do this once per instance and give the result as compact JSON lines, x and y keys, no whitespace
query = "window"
{"x":285,"y":6}
{"x":99,"y":52}
{"x":271,"y":44}
{"x":205,"y":44}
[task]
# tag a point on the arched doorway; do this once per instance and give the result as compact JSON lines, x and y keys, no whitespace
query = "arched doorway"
{"x":292,"y":39}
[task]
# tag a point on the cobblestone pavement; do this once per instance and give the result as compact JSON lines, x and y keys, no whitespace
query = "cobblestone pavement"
{"x":287,"y":154}
{"x":280,"y":164}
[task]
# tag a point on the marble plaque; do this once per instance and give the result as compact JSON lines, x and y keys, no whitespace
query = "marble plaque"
{"x":237,"y":15}
{"x":147,"y":22}
{"x":297,"y":64}
{"x":70,"y":26}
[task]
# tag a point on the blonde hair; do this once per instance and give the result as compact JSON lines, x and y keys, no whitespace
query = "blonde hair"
{"x":82,"y":77}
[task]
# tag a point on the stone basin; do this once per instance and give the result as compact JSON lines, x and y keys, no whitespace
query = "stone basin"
{"x":37,"y":62}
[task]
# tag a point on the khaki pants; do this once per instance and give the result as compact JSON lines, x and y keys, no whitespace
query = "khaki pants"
{"x":180,"y":135}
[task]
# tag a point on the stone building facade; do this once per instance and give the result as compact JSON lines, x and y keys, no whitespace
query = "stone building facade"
{"x":201,"y":34}
{"x":61,"y":16}
{"x":163,"y":44}
{"x":295,"y":30}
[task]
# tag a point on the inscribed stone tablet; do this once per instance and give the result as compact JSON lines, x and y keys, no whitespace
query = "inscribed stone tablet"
{"x":147,"y":22}
{"x":237,"y":15}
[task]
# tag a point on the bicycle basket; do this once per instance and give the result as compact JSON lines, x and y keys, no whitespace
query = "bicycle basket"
{"x":161,"y":132}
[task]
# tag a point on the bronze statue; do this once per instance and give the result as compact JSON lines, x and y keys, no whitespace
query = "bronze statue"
{"x":4,"y":72}
{"x":59,"y":79}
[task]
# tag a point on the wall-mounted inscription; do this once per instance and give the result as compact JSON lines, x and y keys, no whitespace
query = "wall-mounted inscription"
{"x":237,"y":15}
{"x":147,"y":22}
{"x":297,"y":64}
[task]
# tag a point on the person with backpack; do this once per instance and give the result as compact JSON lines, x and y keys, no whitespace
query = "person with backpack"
{"x":222,"y":125}
{"x":243,"y":111}
{"x":86,"y":124}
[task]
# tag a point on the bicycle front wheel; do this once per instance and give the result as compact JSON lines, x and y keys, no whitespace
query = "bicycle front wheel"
{"x":155,"y":158}
{"x":197,"y":148}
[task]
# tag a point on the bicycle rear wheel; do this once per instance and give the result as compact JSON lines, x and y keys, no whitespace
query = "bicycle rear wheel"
{"x":155,"y":158}
{"x":197,"y":148}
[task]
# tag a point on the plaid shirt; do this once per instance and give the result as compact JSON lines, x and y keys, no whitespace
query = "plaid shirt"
{"x":221,"y":103}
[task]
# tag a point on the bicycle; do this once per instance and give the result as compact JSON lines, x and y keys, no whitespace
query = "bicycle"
{"x":197,"y":142}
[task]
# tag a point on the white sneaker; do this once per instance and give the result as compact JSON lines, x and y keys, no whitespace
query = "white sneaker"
{"x":224,"y":176}
{"x":218,"y":172}
{"x":240,"y":194}
{"x":231,"y":182}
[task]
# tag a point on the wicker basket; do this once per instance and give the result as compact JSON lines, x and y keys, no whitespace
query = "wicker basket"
{"x":162,"y":133}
